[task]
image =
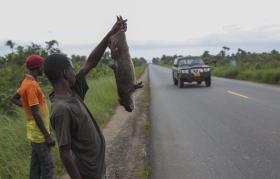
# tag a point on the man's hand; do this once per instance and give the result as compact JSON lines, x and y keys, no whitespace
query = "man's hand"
{"x":39,"y":121}
{"x":96,"y":54}
{"x":119,"y":25}
{"x":16,"y":100}
{"x":49,"y":141}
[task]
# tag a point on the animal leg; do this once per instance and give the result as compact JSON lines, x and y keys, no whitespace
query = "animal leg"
{"x":136,"y":86}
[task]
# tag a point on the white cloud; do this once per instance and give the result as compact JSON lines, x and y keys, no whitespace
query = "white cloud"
{"x":154,"y":26}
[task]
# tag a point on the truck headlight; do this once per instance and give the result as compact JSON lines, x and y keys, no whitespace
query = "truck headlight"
{"x":206,"y":69}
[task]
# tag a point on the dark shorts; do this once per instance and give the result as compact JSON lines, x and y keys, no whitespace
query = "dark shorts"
{"x":42,"y":165}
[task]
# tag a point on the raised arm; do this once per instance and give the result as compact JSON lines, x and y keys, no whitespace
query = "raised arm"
{"x":96,"y":54}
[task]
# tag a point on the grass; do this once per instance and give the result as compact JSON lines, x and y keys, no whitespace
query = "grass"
{"x":167,"y":65}
{"x":139,"y":70}
{"x":102,"y":99}
{"x":266,"y":75}
{"x":145,"y":169}
{"x":15,"y":148}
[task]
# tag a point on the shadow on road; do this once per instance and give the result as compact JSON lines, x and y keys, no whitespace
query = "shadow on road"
{"x":190,"y":85}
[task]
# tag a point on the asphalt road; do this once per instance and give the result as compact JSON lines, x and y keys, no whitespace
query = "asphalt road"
{"x":228,"y":131}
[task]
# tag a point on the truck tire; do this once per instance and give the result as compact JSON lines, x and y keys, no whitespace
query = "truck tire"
{"x":208,"y":82}
{"x":180,"y":83}
{"x":175,"y":81}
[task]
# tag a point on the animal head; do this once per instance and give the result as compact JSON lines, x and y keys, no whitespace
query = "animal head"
{"x":127,"y":102}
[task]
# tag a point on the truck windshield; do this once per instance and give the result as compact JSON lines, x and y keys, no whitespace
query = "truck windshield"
{"x":190,"y":62}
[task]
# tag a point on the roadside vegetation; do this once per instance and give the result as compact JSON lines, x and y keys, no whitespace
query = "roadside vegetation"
{"x":145,"y":170}
{"x":101,"y":100}
{"x":242,"y":65}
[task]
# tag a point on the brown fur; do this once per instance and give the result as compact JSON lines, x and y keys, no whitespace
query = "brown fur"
{"x":123,"y":70}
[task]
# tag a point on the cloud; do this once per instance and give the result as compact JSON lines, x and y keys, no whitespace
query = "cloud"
{"x":4,"y":50}
{"x":258,"y":39}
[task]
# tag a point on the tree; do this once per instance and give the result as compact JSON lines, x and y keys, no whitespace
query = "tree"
{"x":139,"y":61}
{"x":274,"y":52}
{"x":222,"y":53}
{"x":155,"y":60}
{"x":34,"y":49}
{"x":106,"y":58}
{"x":241,"y":52}
{"x":78,"y":61}
{"x":50,"y":44}
{"x":10,"y":44}
{"x":205,"y":54}
{"x":226,"y":48}
{"x":19,"y":49}
{"x":50,"y":47}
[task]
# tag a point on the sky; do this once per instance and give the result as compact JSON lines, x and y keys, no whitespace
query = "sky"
{"x":155,"y":27}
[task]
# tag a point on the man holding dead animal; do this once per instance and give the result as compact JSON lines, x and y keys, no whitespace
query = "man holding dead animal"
{"x":80,"y":140}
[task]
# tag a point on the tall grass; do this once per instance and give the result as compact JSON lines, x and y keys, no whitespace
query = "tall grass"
{"x":264,"y":75}
{"x":15,"y":149}
{"x":102,"y":98}
{"x":139,"y":70}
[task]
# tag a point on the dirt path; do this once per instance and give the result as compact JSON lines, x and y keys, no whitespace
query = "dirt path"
{"x":126,"y":140}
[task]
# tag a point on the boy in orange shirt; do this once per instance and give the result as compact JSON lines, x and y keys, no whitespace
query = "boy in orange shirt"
{"x":32,"y":99}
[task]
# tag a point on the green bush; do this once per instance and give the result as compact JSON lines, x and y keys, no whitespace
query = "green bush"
{"x":227,"y":72}
{"x":244,"y":75}
{"x":271,"y":76}
{"x":265,"y":75}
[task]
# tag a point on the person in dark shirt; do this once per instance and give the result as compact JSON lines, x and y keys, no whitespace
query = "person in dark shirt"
{"x":80,"y":140}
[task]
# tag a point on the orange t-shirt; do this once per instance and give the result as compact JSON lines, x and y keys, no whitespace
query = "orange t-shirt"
{"x":31,"y":94}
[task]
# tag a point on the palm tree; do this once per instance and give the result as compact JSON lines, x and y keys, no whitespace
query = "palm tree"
{"x":241,"y":52}
{"x":226,"y":48}
{"x":51,"y":43}
{"x":50,"y":48}
{"x":10,"y":44}
{"x":222,"y":53}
